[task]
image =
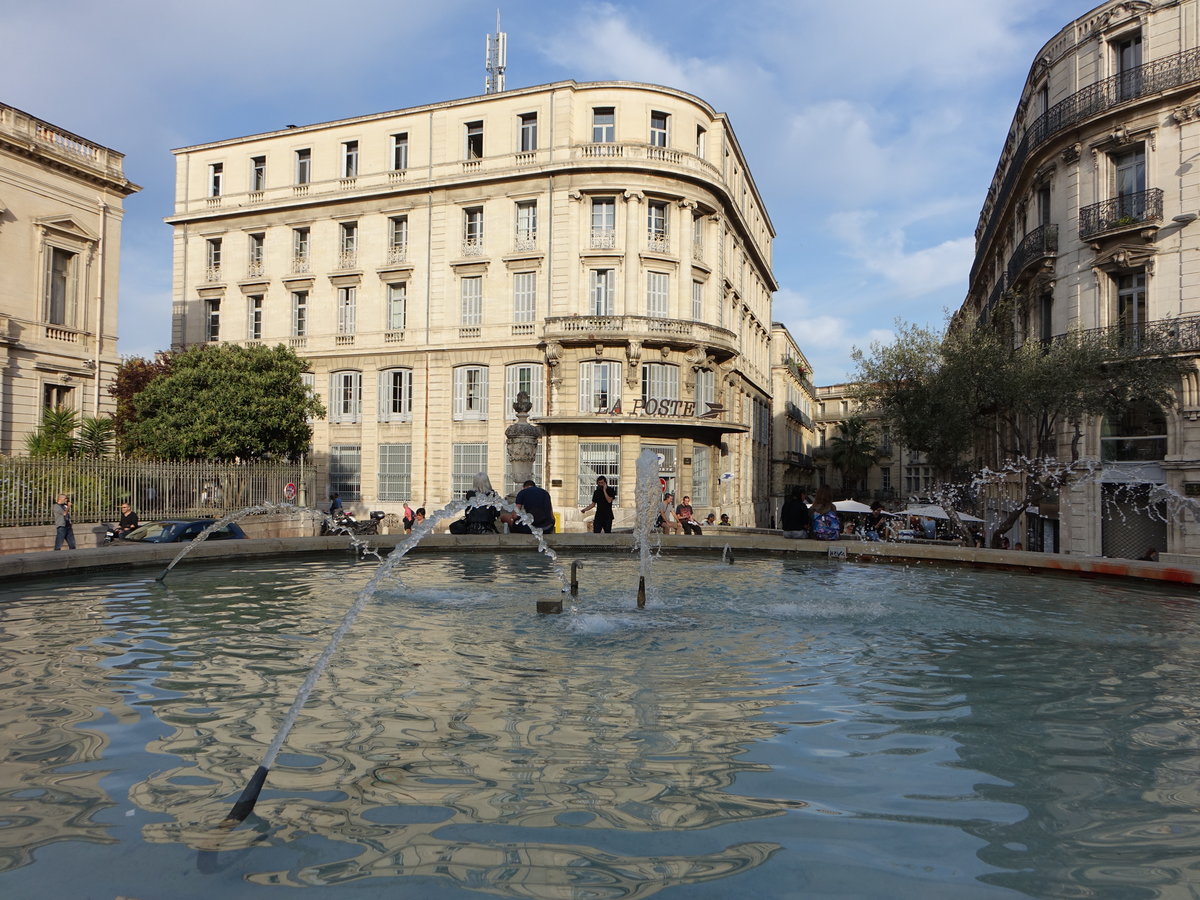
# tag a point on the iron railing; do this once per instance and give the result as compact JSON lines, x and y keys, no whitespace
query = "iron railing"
{"x":1039,"y":244}
{"x":1160,"y":75}
{"x":1178,"y":335}
{"x":1121,"y":212}
{"x":157,"y":490}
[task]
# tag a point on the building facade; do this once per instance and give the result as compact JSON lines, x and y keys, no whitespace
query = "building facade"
{"x":1091,"y":223}
{"x":600,"y":246}
{"x":793,"y":430}
{"x":61,"y":205}
{"x":897,"y":476}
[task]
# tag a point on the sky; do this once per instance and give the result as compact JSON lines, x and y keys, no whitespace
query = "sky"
{"x":872,"y":128}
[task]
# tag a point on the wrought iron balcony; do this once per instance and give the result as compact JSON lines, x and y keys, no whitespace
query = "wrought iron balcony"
{"x":1162,"y":336}
{"x":1128,"y":211}
{"x":1039,"y":244}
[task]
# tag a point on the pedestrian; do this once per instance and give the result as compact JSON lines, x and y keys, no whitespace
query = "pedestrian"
{"x":409,"y":515}
{"x":683,"y":512}
{"x":536,"y":502}
{"x":127,"y":522}
{"x":794,"y":516}
{"x":62,"y":523}
{"x":826,"y":526}
{"x":668,"y":521}
{"x":602,"y":501}
{"x":875,"y":522}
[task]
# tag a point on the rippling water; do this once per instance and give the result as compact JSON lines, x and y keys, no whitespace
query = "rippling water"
{"x":772,"y":728}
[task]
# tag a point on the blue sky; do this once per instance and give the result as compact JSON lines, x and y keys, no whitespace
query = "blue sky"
{"x":872,"y":127}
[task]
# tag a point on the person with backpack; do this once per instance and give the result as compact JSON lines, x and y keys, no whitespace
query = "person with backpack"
{"x":826,"y":526}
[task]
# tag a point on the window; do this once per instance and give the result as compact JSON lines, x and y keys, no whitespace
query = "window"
{"x":660,"y":381}
{"x":658,"y":286}
{"x":599,"y":387}
{"x":529,"y":141}
{"x":1129,"y":170}
{"x":658,"y":129}
{"x":604,"y":223}
{"x":58,"y":396}
{"x":885,"y":479}
{"x":466,"y":460}
{"x":1131,"y":305}
{"x":395,"y":395}
{"x":395,"y":472}
{"x":698,"y":236}
{"x":1128,"y":63}
{"x":596,"y":459}
{"x":526,"y":224}
{"x":1046,"y":318}
{"x":400,"y":151}
{"x":258,"y":245}
{"x":706,"y":390}
{"x":525,"y":377}
{"x":212,"y":320}
{"x":471,"y":300}
{"x":397,"y":238}
{"x":472,"y":230}
{"x":701,"y":476}
{"x":300,"y":243}
{"x":213,"y":259}
{"x":701,"y":136}
{"x":1043,"y":205}
{"x":1139,"y":434}
{"x":524,"y":296}
{"x":303,"y":166}
{"x":345,"y":471}
{"x":216,"y":175}
{"x":61,"y":287}
{"x":349,"y":159}
{"x":470,"y":394}
{"x":348,"y":245}
{"x":656,"y":220}
{"x":604,"y":128}
{"x":345,"y":396}
{"x":601,"y":292}
{"x":258,"y":173}
{"x":474,"y":140}
{"x":254,"y":318}
{"x":346,"y":301}
{"x":299,"y":313}
{"x":698,"y":300}
{"x":397,"y":306}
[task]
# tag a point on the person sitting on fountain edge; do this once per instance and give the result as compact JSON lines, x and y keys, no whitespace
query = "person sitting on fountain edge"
{"x":535,"y":501}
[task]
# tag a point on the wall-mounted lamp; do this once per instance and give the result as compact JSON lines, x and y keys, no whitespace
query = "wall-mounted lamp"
{"x":1185,"y":218}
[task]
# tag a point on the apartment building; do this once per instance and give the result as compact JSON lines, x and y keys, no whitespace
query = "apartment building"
{"x":61,"y":205}
{"x":1091,"y":223}
{"x":793,"y":432}
{"x":600,"y":246}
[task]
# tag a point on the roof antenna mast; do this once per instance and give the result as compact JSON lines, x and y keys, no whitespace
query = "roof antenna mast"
{"x":497,"y":58}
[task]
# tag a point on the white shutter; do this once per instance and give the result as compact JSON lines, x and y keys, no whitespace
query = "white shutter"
{"x":460,"y":393}
{"x":384,"y":399}
{"x":585,"y":387}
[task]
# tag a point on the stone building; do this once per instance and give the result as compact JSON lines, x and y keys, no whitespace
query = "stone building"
{"x":61,"y":202}
{"x":601,"y":246}
{"x":897,"y":476}
{"x":793,"y":431}
{"x":1090,"y":223}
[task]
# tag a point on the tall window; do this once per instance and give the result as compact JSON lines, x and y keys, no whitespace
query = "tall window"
{"x":472,"y":230}
{"x":1043,"y":205}
{"x":525,"y":377}
{"x":258,"y":173}
{"x":526,"y":224}
{"x":400,"y":151}
{"x":299,"y":313}
{"x":465,"y":461}
{"x":212,"y":249}
{"x":254,"y":317}
{"x":1130,"y":171}
{"x":604,"y":127}
{"x":395,"y":472}
{"x":1131,"y":305}
{"x":601,"y":292}
{"x":524,"y":296}
{"x":701,"y":475}
{"x":61,"y":289}
{"x":698,"y":300}
{"x":345,"y":396}
{"x":471,"y":300}
{"x":397,"y":306}
{"x":212,"y":320}
{"x":596,"y":459}
{"x":470,"y":393}
{"x":1129,"y":60}
{"x":345,"y":471}
{"x":660,"y":381}
{"x":349,"y":159}
{"x":397,"y":238}
{"x":658,"y":129}
{"x":258,"y":254}
{"x":216,"y":178}
{"x":599,"y":386}
{"x":701,"y":136}
{"x":1046,"y":318}
{"x":474,"y":140}
{"x":395,"y":395}
{"x":528,"y":132}
{"x":656,"y":220}
{"x":300,"y":247}
{"x":658,"y":286}
{"x":347,"y":299}
{"x":303,"y":166}
{"x":60,"y":396}
{"x":348,"y":245}
{"x":604,"y":223}
{"x":706,"y":390}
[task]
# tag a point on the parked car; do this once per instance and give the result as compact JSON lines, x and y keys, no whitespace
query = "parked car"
{"x":172,"y":531}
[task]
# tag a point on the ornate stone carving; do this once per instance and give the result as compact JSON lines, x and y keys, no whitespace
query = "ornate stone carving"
{"x":599,"y":349}
{"x":554,"y":352}
{"x":522,"y":439}
{"x":1072,"y":152}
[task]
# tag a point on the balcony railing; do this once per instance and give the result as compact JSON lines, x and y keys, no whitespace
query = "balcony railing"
{"x":212,"y":274}
{"x":472,"y":247}
{"x":1121,"y":212}
{"x":1039,"y":244}
{"x":301,"y":265}
{"x":586,"y":329}
{"x":348,"y":259}
{"x":1153,"y":77}
{"x":255,"y":270}
{"x":1180,"y":335}
{"x":658,"y":241}
{"x":604,"y":239}
{"x":523,"y":243}
{"x":397,"y":254}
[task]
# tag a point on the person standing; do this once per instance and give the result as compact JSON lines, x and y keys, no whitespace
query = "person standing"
{"x":63,"y":530}
{"x":683,"y":512}
{"x":602,"y":501}
{"x":794,"y":517}
{"x":535,"y":501}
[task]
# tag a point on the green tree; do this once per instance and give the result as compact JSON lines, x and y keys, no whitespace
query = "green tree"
{"x":133,"y":376}
{"x":853,"y":452}
{"x":56,"y":435}
{"x":223,"y":402}
{"x":96,"y":434}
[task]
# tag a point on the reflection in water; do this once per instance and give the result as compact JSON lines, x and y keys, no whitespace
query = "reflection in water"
{"x":895,"y":731}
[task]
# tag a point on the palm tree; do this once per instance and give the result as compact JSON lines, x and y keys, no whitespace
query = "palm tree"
{"x":853,"y":452}
{"x":56,"y":435}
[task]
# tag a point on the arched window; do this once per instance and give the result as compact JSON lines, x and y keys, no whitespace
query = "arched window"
{"x":1139,"y":434}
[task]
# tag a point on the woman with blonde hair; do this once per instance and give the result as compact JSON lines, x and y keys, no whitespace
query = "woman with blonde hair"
{"x":481,"y":519}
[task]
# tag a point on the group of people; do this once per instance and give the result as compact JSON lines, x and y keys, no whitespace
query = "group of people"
{"x":680,"y":519}
{"x":534,"y":510}
{"x":64,"y":526}
{"x":821,"y":521}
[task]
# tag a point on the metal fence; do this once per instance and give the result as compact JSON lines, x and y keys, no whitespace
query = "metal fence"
{"x":156,"y":490}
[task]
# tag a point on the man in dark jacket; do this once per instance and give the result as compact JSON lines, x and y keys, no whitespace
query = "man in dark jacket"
{"x":795,"y":518}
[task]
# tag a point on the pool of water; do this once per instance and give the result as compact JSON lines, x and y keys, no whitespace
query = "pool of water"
{"x":773,"y":728}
